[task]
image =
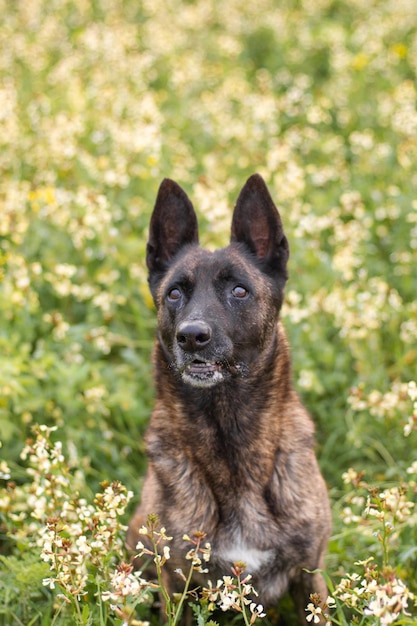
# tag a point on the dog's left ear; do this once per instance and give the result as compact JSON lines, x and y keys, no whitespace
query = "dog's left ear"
{"x":257,"y":223}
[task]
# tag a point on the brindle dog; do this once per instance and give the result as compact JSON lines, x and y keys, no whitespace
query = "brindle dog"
{"x":230,"y":446}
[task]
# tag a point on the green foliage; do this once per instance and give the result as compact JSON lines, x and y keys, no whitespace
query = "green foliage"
{"x":98,"y":102}
{"x":22,"y":596}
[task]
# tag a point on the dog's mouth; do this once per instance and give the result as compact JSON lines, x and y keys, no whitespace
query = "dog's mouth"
{"x":203,"y":367}
{"x":201,"y":373}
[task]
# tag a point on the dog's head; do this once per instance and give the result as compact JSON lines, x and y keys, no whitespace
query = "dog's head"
{"x":217,"y":310}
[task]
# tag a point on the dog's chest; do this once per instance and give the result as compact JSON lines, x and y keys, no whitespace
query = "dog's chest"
{"x":247,"y":535}
{"x":238,"y":550}
{"x":260,"y":561}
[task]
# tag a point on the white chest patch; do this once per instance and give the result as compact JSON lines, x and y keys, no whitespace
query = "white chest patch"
{"x":255,"y":559}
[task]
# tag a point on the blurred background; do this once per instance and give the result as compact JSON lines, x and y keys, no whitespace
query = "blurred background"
{"x":99,"y":101}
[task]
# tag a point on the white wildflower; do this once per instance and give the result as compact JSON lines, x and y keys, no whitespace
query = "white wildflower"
{"x":315,"y":613}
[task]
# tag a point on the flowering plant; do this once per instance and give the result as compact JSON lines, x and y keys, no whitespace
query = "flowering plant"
{"x":83,"y":547}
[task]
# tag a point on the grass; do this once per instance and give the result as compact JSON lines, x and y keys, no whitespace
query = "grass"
{"x":98,"y":102}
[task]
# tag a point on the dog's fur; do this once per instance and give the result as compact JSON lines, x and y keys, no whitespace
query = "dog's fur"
{"x":230,"y":446}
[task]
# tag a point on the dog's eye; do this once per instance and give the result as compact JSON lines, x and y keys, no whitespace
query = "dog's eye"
{"x":239,"y":292}
{"x":174,"y":294}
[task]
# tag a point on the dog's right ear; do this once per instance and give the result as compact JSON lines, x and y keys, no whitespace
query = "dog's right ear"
{"x":173,"y":225}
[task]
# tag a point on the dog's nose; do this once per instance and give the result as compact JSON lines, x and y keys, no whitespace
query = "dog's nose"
{"x":193,"y":335}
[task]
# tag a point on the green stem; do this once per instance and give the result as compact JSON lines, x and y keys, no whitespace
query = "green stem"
{"x":100,"y":603}
{"x":57,"y":613}
{"x":184,"y":594}
{"x":165,"y":594}
{"x":16,"y":619}
{"x":78,"y":609}
{"x":245,"y":617}
{"x":385,"y":547}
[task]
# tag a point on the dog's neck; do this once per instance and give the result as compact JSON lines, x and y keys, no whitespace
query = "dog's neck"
{"x":213,"y":423}
{"x":240,"y":420}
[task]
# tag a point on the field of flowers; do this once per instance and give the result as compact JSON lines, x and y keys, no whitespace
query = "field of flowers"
{"x":98,"y":102}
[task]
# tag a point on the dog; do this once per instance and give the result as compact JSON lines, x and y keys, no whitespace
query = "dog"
{"x":230,"y":446}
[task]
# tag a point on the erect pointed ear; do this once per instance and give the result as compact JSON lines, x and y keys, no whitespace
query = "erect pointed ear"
{"x":173,"y":225}
{"x":257,"y":223}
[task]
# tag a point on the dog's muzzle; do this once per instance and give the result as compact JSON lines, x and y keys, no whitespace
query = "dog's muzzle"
{"x":194,"y":355}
